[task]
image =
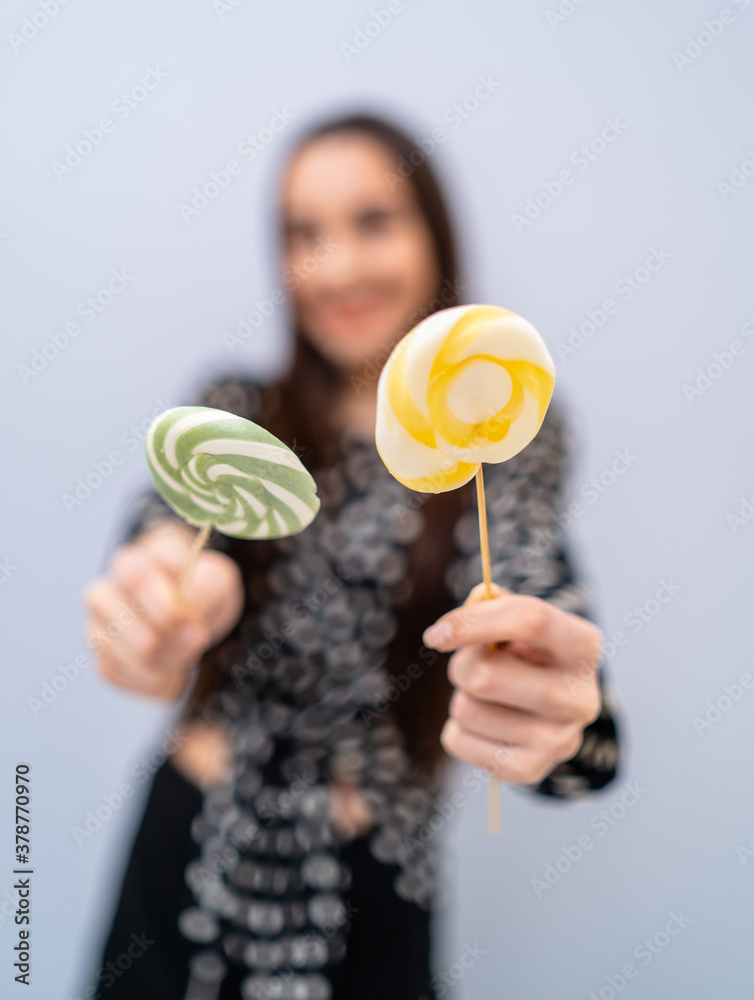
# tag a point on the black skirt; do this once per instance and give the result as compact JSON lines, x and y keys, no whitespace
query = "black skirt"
{"x":146,"y":955}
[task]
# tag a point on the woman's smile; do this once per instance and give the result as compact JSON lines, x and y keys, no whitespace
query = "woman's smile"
{"x":349,"y":317}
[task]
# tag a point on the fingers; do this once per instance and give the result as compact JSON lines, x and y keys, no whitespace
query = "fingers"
{"x":215,"y":587}
{"x":111,"y":612}
{"x":508,"y":715}
{"x":560,"y":637}
{"x":115,"y":665}
{"x":146,"y":634}
{"x":169,"y":541}
{"x":479,"y":593}
{"x":146,"y":583}
{"x":517,"y":764}
{"x":499,"y":677}
{"x":143,"y":639}
{"x":120,"y":621}
{"x":502,"y":619}
{"x":498,"y":723}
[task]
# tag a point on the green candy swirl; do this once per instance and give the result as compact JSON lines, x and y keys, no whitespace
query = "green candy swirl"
{"x":213,"y":467}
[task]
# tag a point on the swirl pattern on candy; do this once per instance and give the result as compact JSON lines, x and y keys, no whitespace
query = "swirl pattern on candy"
{"x":216,"y":468}
{"x":469,"y":384}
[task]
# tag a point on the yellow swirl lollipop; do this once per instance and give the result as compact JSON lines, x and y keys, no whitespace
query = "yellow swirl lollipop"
{"x":469,"y":384}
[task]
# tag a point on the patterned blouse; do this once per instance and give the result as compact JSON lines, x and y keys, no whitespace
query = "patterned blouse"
{"x":306,"y":695}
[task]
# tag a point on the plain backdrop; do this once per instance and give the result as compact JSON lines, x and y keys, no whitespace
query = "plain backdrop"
{"x":678,"y":92}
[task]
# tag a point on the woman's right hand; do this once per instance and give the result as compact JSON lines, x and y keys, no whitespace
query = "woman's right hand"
{"x":146,"y":640}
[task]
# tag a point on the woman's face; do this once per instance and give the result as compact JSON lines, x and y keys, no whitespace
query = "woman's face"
{"x":358,"y":254}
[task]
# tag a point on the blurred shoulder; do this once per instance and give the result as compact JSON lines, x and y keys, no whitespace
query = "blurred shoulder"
{"x":555,"y":434}
{"x":240,"y":394}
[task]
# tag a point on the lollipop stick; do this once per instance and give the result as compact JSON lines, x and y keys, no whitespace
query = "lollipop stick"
{"x":483,"y":538}
{"x":196,"y":550}
{"x":493,"y":820}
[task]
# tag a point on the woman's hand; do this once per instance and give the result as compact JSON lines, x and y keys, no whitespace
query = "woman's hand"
{"x":144,"y":639}
{"x":520,"y":708}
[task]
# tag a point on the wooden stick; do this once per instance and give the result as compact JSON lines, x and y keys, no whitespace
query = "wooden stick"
{"x":493,"y":819}
{"x":196,"y":550}
{"x":493,"y":815}
{"x":483,"y":537}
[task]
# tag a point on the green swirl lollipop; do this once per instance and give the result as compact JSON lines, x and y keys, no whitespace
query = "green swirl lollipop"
{"x":219,"y":470}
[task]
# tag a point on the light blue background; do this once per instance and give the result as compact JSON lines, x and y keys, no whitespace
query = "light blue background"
{"x":162,"y":338}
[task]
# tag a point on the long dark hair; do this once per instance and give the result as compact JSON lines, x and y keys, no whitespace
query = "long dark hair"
{"x":295,"y":408}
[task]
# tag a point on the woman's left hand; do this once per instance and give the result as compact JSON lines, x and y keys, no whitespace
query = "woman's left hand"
{"x":519,"y":708}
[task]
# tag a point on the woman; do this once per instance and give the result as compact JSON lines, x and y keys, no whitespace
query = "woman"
{"x":300,"y":798}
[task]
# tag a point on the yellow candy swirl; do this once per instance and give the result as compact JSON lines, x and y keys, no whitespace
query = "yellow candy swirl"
{"x":467,"y":385}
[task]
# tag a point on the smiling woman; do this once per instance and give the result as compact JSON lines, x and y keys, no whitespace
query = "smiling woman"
{"x":287,"y":847}
{"x":386,"y":261}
